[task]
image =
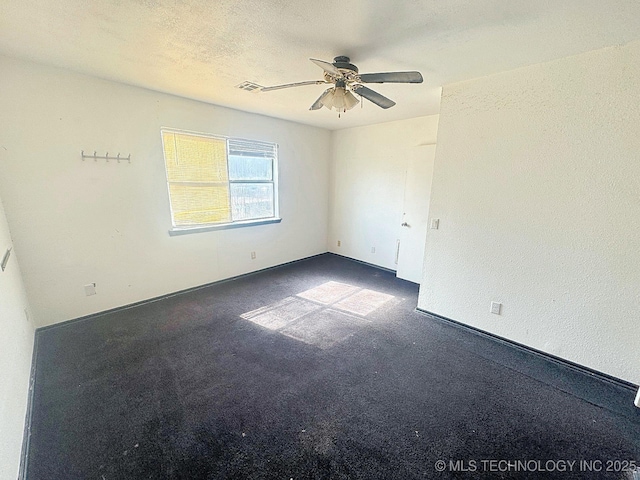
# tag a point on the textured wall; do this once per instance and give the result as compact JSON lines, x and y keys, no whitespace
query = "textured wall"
{"x":537,"y":187}
{"x":16,"y":346}
{"x":77,"y":222}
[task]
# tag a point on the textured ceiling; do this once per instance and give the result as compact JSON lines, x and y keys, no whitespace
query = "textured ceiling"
{"x":202,"y":49}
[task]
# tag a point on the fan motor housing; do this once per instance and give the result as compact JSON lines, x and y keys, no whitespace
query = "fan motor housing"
{"x":343,"y":63}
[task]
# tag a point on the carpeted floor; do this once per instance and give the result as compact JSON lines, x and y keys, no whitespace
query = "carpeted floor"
{"x":319,"y":369}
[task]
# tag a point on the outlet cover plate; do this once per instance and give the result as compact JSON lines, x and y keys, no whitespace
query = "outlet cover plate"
{"x":90,"y":289}
{"x":496,"y":308}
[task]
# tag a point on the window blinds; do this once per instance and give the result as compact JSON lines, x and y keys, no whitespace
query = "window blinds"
{"x":198,"y":180}
{"x":252,"y":148}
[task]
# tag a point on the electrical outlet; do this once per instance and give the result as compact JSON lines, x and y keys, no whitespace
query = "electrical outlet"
{"x":495,"y":308}
{"x":90,"y":289}
{"x":435,"y":223}
{"x":253,"y":255}
{"x":339,"y":243}
{"x":373,"y":249}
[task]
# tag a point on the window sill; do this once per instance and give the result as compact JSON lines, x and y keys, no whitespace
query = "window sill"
{"x":223,"y":226}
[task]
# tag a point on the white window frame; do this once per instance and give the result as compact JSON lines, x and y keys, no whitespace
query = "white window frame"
{"x":181,"y":230}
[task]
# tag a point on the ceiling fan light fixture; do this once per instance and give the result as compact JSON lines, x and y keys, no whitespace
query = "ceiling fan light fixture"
{"x":327,"y":98}
{"x":350,"y":100}
{"x":338,"y":98}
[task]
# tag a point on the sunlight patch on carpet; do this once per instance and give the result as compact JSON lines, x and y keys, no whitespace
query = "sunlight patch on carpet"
{"x":281,"y":314}
{"x":322,"y":316}
{"x":324,"y":328}
{"x":363,"y":302}
{"x":329,"y":292}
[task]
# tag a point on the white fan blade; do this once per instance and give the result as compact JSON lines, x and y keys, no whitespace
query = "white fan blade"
{"x":317,"y":105}
{"x":327,"y":67}
{"x":289,"y":85}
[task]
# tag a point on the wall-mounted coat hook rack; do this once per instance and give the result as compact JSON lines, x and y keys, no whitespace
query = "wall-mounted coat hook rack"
{"x":106,"y":157}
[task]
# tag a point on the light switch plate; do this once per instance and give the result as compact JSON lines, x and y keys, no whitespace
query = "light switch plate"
{"x":90,"y":289}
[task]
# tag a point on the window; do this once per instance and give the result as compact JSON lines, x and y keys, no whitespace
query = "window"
{"x":219,"y":182}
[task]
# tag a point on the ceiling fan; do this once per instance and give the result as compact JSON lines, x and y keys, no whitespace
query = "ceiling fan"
{"x":346,"y":81}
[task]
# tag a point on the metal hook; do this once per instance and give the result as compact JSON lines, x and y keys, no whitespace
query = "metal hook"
{"x":129,"y":158}
{"x":95,"y":158}
{"x":118,"y":158}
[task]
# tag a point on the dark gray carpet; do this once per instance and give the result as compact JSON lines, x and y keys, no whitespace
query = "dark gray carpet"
{"x":249,"y":380}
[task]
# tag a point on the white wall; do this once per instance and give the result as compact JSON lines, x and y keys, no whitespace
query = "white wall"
{"x":368,"y":172}
{"x":78,"y":222}
{"x":16,"y":347}
{"x":537,"y":187}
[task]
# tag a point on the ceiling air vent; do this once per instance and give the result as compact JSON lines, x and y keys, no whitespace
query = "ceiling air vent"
{"x":249,"y":86}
